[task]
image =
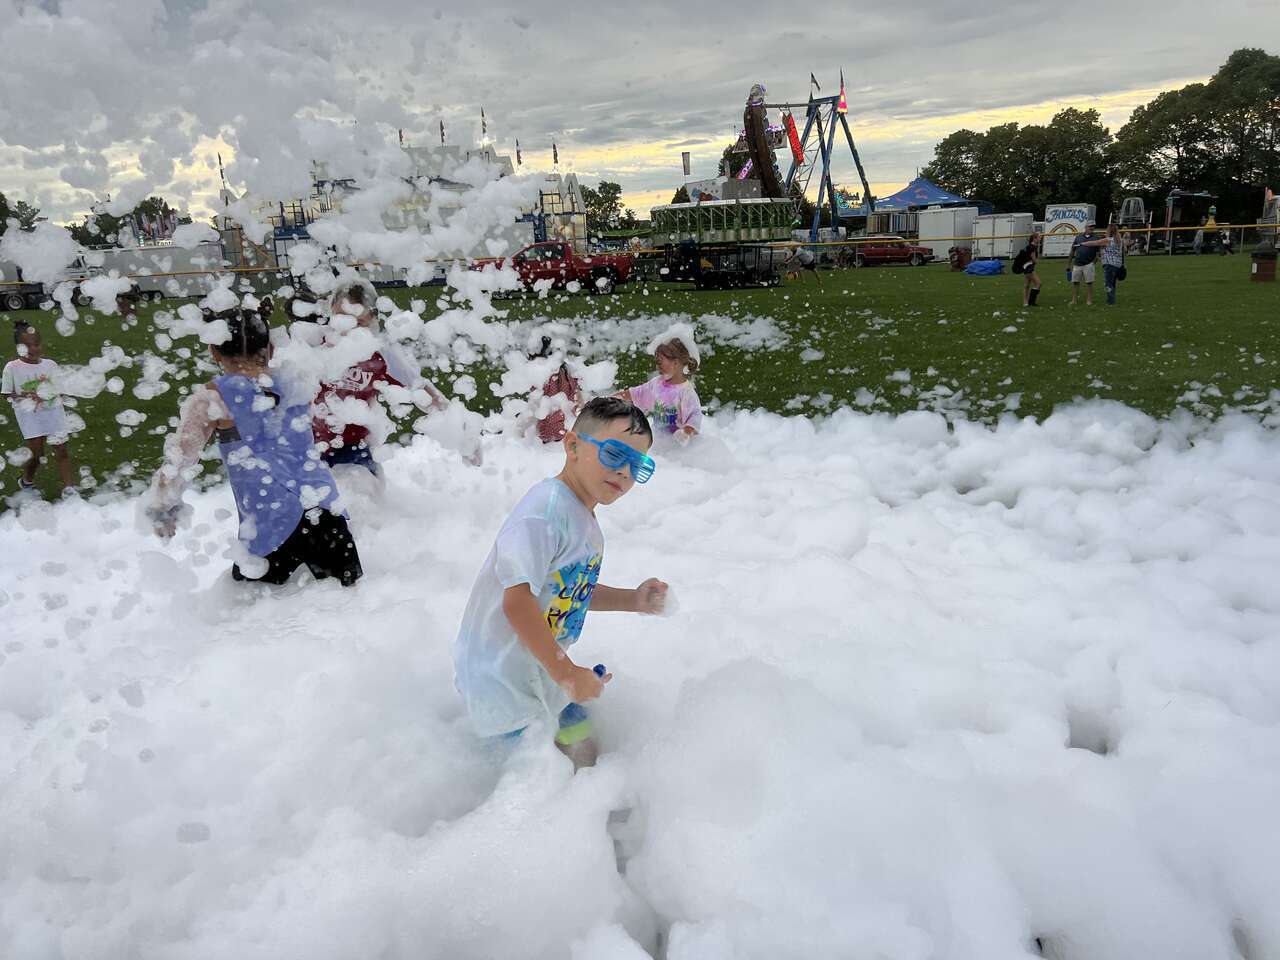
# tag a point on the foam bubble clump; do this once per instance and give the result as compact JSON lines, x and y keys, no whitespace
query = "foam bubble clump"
{"x":929,"y":692}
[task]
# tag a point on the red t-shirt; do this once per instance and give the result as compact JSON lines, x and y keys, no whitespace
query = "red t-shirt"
{"x":551,"y":427}
{"x":360,"y":382}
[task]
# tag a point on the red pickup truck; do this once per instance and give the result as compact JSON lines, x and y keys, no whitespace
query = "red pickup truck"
{"x":889,"y":248}
{"x":556,"y":261}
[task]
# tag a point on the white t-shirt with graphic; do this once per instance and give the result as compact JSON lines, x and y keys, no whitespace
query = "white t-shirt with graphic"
{"x":552,"y":542}
{"x":669,"y":406}
{"x":36,"y":404}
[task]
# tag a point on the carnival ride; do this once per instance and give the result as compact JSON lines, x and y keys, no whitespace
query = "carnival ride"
{"x":812,"y":150}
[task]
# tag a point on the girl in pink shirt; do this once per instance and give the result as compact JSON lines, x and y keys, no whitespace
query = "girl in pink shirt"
{"x":669,"y":399}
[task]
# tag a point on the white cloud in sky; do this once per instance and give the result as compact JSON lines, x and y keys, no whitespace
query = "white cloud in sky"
{"x":101,"y":93}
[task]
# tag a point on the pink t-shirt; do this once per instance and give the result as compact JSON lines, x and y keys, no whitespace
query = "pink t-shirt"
{"x":670,"y":406}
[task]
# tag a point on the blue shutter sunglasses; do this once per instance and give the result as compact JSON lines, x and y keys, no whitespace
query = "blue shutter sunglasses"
{"x":615,"y":454}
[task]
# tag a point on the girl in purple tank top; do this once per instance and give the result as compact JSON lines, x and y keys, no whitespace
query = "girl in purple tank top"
{"x":284,"y":493}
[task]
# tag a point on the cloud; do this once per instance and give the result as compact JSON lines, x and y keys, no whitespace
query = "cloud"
{"x":622,"y":91}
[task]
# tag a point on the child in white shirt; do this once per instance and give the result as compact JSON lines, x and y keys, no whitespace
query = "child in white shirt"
{"x":28,"y":382}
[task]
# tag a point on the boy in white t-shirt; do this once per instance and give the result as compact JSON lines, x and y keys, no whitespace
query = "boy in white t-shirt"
{"x":531,"y":598}
{"x":28,"y":384}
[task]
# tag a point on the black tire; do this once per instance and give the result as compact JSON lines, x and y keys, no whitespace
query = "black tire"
{"x":14,"y":301}
{"x":603,"y":284}
{"x":916,"y":260}
{"x":155,"y":296}
{"x":859,"y":261}
{"x":79,"y":299}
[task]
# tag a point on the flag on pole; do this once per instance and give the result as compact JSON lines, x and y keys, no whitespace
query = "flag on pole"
{"x":555,"y":154}
{"x":484,"y":124}
{"x":842,"y":105}
{"x":814,"y":82}
{"x":442,"y":133}
{"x":519,"y":160}
{"x":401,"y":132}
{"x":684,"y":159}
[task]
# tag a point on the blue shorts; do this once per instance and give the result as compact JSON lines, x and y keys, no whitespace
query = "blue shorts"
{"x":358,"y":454}
{"x":575,"y":726}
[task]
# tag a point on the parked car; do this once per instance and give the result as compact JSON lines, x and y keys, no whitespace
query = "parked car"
{"x":556,"y":261}
{"x":886,"y":248}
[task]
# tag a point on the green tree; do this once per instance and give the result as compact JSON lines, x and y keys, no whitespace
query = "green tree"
{"x":1017,"y":168}
{"x":26,"y":214}
{"x":604,"y":206}
{"x":1222,"y":136}
{"x":100,"y":229}
{"x":628,"y":220}
{"x":681,"y":195}
{"x":5,"y":213}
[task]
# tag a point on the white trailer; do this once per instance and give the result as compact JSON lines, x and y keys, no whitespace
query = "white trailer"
{"x":941,"y":228}
{"x":1001,"y":235}
{"x":163,"y":270}
{"x":1062,"y":221}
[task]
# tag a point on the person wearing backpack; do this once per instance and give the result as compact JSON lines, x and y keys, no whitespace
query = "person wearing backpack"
{"x":1024,"y":263}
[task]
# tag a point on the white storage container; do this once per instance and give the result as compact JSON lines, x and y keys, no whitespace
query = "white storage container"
{"x":941,"y":228}
{"x":1001,"y":235}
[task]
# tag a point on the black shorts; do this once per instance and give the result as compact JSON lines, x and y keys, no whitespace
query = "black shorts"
{"x":325,"y":546}
{"x":811,"y":265}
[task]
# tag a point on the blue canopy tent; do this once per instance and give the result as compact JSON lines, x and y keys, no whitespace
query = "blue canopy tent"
{"x":916,"y":195}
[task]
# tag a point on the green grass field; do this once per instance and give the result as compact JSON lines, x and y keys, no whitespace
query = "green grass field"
{"x":1183,"y":324}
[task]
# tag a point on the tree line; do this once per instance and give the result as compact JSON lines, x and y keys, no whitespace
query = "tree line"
{"x":1222,"y":136}
{"x":96,"y":230}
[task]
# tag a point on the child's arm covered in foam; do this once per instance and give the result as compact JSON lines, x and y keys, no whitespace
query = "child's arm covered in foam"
{"x":182,"y":448}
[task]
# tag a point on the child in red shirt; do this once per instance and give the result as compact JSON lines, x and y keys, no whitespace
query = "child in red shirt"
{"x":343,"y":437}
{"x":551,"y":427}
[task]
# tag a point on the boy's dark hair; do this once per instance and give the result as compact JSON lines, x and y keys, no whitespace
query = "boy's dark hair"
{"x":20,"y":328}
{"x":600,"y":411}
{"x":249,"y":330}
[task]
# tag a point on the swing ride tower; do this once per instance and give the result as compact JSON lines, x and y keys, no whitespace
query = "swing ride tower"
{"x":812,"y":151}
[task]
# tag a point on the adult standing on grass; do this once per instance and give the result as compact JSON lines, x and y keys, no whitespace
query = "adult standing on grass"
{"x":1025,"y":264}
{"x":1112,"y":247}
{"x":1083,"y":253}
{"x":28,"y":383}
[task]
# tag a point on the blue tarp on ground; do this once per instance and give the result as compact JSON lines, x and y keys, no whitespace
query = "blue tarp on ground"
{"x":915,"y":195}
{"x":985,"y":268}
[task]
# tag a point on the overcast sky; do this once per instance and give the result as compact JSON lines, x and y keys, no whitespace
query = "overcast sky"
{"x":133,"y":96}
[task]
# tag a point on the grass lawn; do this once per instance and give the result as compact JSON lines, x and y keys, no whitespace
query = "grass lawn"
{"x":1189,"y":331}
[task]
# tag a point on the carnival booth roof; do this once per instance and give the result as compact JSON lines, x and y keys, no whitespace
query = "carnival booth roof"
{"x":915,"y":195}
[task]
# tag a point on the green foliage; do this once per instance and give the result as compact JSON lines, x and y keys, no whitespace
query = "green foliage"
{"x":25,"y":213}
{"x":100,"y":229}
{"x":681,"y":195}
{"x":604,"y":206}
{"x":1222,"y":136}
{"x":1023,"y":168}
